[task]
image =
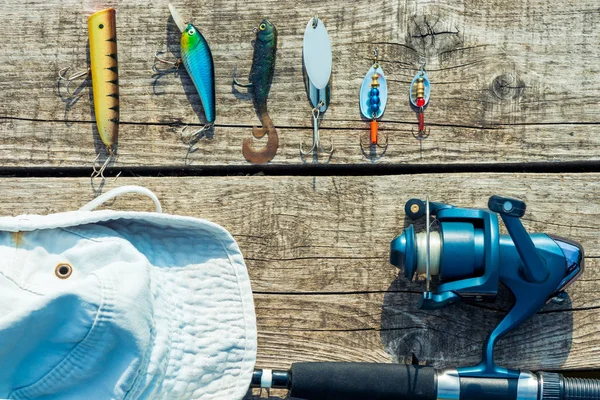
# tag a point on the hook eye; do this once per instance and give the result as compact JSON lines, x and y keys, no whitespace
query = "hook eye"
{"x":255,"y":30}
{"x":315,"y":21}
{"x":423,"y":62}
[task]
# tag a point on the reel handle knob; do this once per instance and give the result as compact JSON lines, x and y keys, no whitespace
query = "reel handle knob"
{"x":415,"y":208}
{"x":506,"y":206}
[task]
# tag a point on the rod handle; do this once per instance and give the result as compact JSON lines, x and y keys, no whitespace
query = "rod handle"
{"x":360,"y":381}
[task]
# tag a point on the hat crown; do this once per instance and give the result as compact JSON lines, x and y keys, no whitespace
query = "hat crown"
{"x":154,"y":306}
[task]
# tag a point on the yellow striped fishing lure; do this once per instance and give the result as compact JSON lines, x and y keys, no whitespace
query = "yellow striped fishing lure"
{"x":104,"y":72}
{"x":105,"y":75}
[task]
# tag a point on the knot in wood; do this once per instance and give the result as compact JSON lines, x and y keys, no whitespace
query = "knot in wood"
{"x":430,"y":34}
{"x":507,"y":87}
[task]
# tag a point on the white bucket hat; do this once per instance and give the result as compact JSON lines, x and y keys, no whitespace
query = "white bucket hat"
{"x":123,"y":305}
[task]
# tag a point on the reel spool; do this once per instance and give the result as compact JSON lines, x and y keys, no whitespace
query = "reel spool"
{"x":462,"y":252}
{"x":457,"y":242}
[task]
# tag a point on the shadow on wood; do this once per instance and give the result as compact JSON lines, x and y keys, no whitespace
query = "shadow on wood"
{"x":408,"y":332}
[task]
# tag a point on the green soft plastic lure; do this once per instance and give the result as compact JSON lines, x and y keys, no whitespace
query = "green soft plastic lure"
{"x":198,"y":62}
{"x":261,"y":75}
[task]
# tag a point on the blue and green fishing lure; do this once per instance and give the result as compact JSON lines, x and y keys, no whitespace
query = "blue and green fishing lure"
{"x":198,"y":62}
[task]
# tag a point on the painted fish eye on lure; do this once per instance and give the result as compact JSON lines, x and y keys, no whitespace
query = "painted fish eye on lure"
{"x":262,"y":27}
{"x":191,"y":31}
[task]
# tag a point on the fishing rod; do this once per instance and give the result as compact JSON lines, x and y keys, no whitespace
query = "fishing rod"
{"x":362,"y":381}
{"x":465,"y":251}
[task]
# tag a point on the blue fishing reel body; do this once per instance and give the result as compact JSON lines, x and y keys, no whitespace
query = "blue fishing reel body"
{"x":471,"y":258}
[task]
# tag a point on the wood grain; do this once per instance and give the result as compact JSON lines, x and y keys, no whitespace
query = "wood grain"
{"x":511,"y":82}
{"x":317,"y":253}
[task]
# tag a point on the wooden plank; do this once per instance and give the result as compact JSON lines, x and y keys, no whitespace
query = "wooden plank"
{"x":512,"y":83}
{"x":317,"y":253}
{"x":58,"y":144}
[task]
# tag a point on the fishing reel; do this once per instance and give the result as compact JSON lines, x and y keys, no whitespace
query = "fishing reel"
{"x":470,"y":258}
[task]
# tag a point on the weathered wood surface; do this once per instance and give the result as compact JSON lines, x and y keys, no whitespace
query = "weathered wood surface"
{"x":317,"y":254}
{"x":512,"y":81}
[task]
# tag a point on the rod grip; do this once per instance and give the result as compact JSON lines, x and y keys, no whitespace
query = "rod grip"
{"x":554,"y":386}
{"x":360,"y":381}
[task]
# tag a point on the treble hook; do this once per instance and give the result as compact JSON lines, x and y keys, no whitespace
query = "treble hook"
{"x":174,"y":64}
{"x":374,"y":139}
{"x":316,"y":146}
{"x":194,"y":135}
{"x":62,"y":77}
{"x":100,"y":172}
{"x":422,"y":132}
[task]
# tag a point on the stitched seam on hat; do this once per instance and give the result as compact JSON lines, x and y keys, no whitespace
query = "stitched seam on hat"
{"x":171,"y":321}
{"x":101,"y":239}
{"x":23,"y":285}
{"x":26,"y":288}
{"x":66,"y":366}
{"x":244,"y":305}
{"x":170,"y":324}
{"x":143,"y":370}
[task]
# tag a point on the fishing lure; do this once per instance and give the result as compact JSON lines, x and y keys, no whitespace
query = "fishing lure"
{"x":105,"y":80}
{"x":373,"y":99}
{"x":260,"y":78}
{"x":197,"y":59}
{"x":102,"y":29}
{"x":317,"y":64}
{"x":420,"y":89}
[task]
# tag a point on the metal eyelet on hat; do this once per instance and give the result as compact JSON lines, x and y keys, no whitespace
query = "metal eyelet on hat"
{"x":63,"y":270}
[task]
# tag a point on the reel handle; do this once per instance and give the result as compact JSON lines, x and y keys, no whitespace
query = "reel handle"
{"x":511,"y":210}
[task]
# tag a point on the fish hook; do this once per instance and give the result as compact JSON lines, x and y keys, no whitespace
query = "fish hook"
{"x":237,"y":83}
{"x":100,"y":172}
{"x":157,"y":59}
{"x":316,"y":146}
{"x":194,"y":136}
{"x":420,"y":135}
{"x":62,"y":77}
{"x":422,"y":132}
{"x":367,"y":144}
